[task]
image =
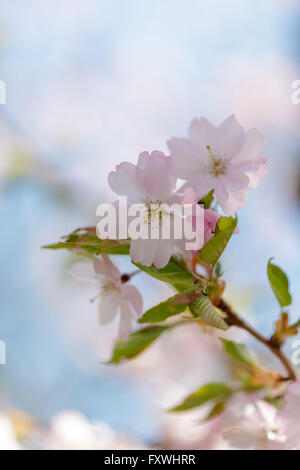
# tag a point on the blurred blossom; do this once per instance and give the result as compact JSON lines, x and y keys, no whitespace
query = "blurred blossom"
{"x":249,"y":423}
{"x":163,"y":367}
{"x":13,"y":158}
{"x":288,"y":418}
{"x":114,"y":296}
{"x":70,"y":430}
{"x":188,"y":431}
{"x":8,"y":440}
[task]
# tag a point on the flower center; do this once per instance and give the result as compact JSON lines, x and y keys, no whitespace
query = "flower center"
{"x":153,"y":212}
{"x":218,"y":162}
{"x":105,"y":287}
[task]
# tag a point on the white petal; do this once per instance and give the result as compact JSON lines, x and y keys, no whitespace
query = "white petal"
{"x":107,"y":268}
{"x":231,"y":136}
{"x":203,"y":133}
{"x":221,"y":194}
{"x":83,"y":272}
{"x":163,"y":252}
{"x":187,"y":157}
{"x":235,"y":178}
{"x":125,"y":320}
{"x":143,"y":159}
{"x":201,"y":186}
{"x":124,"y":181}
{"x":108,"y":306}
{"x":268,"y":412}
{"x":158,"y":175}
{"x":143,"y":251}
{"x":236,"y":201}
{"x":136,"y":250}
{"x":133,"y":296}
{"x":256,"y":176}
{"x":252,"y":148}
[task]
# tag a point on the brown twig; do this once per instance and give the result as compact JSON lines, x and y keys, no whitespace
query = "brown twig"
{"x":233,"y":320}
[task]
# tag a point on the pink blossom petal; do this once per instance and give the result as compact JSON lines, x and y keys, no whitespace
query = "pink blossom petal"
{"x":189,"y":196}
{"x":231,"y":136}
{"x":158,"y":175}
{"x":143,"y":251}
{"x":125,"y":182}
{"x":133,"y":296}
{"x":142,"y":160}
{"x":109,"y":303}
{"x":252,"y":148}
{"x":256,"y":176}
{"x":125,"y":327}
{"x":201,"y":186}
{"x":211,"y":218}
{"x":107,"y":268}
{"x":163,"y":252}
{"x":136,"y":250}
{"x":236,"y":178}
{"x":203,"y":133}
{"x":187,"y":157}
{"x":236,"y":201}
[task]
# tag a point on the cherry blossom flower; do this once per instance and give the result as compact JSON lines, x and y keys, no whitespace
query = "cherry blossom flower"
{"x":250,"y":423}
{"x":8,"y":439}
{"x":292,"y":401}
{"x":114,"y":296}
{"x":152,"y":183}
{"x":288,"y":418}
{"x":224,"y":158}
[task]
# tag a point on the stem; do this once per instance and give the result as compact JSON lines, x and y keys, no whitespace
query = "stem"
{"x":233,"y":320}
{"x":126,"y":277}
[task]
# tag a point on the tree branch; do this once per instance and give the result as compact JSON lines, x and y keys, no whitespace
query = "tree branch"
{"x":233,"y":320}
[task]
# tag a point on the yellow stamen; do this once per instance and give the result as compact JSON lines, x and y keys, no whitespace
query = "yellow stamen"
{"x":210,"y":153}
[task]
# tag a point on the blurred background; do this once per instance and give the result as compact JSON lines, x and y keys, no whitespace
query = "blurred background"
{"x":88,"y":85}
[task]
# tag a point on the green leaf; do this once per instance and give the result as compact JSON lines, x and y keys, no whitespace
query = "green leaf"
{"x":279,"y":283}
{"x":204,"y":309}
{"x":217,"y":409}
{"x":218,"y":270}
{"x":277,"y":402}
{"x":239,"y":352}
{"x":180,"y":262}
{"x":225,"y":223}
{"x":88,"y":240}
{"x":207,"y":200}
{"x":213,"y":249}
{"x":211,"y":391}
{"x":136,"y":343}
{"x":296,"y":324}
{"x":173,"y":274}
{"x":173,"y":306}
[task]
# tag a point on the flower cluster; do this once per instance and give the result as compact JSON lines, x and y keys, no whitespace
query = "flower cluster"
{"x":224,"y":160}
{"x":212,"y":169}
